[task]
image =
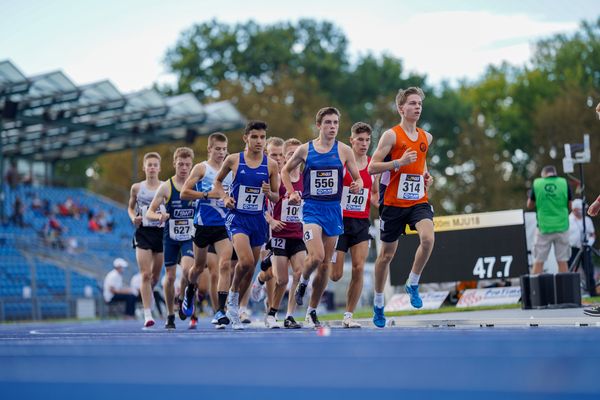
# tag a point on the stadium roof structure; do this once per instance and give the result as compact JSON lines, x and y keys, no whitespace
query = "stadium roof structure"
{"x":47,"y":117}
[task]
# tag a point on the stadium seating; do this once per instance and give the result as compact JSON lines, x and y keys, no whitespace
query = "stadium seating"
{"x":83,"y":261}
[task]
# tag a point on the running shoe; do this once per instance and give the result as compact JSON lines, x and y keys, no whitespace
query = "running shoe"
{"x":188,"y":300}
{"x":592,"y":312}
{"x":413,"y":292}
{"x":193,"y":323}
{"x":222,"y":320}
{"x":299,"y":295}
{"x":311,"y":320}
{"x":214,"y":321}
{"x":245,"y":317}
{"x":290,"y":323}
{"x":271,"y":322}
{"x":348,"y":322}
{"x":266,"y":263}
{"x":233,"y":313}
{"x":378,"y":317}
{"x":257,"y":292}
{"x":180,"y":312}
{"x":170,"y":322}
{"x":148,"y":324}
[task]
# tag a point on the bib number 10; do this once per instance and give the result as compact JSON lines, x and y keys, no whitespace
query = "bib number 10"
{"x":484,"y":267}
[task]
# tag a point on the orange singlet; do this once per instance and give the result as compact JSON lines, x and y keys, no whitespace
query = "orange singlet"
{"x":407,"y":185}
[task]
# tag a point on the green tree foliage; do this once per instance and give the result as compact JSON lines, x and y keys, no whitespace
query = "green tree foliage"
{"x":257,"y":56}
{"x":491,"y":135}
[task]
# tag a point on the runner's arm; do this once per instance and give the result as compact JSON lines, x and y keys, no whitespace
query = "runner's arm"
{"x":189,"y":192}
{"x":160,"y":197}
{"x":133,"y":217}
{"x":298,"y":158}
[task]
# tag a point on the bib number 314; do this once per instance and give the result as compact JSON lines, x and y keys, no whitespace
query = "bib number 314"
{"x":411,"y":187}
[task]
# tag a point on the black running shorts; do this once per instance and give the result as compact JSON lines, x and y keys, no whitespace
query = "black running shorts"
{"x":395,"y":219}
{"x":356,"y":230}
{"x":149,"y":238}
{"x":206,"y":235}
{"x":287,"y":247}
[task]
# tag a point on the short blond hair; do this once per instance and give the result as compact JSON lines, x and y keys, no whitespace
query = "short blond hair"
{"x":403,"y":94}
{"x":274,"y":141}
{"x":152,"y":154}
{"x":183,"y":152}
{"x":216,"y":137}
{"x":291,"y":142}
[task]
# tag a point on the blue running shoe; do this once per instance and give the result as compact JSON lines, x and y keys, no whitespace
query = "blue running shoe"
{"x":413,"y":292}
{"x":378,"y":317}
{"x":221,"y":320}
{"x":188,"y":300}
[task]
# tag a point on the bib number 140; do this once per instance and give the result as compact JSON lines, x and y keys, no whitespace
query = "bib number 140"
{"x":484,"y":267}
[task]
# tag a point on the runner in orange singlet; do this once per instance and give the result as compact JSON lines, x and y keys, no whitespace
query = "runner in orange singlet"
{"x":405,"y":201}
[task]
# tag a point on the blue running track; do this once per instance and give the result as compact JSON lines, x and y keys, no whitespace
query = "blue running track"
{"x":117,"y":360}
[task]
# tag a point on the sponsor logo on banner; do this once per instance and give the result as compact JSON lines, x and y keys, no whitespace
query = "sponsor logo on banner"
{"x":490,"y":297}
{"x":431,"y":301}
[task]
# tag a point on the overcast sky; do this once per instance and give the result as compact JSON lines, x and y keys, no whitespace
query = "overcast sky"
{"x":125,"y":41}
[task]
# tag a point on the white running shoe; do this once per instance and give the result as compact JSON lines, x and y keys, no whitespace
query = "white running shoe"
{"x":233,"y":313}
{"x":271,"y":322}
{"x":257,"y":292}
{"x":148,"y":324}
{"x":350,"y":323}
{"x":311,"y":320}
{"x":245,"y":316}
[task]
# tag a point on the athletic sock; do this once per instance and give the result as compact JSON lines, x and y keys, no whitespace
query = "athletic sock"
{"x":303,"y":281}
{"x":222,"y":300}
{"x":413,"y":279}
{"x":147,"y":314}
{"x":273,"y":311}
{"x":347,"y":314}
{"x":309,"y":309}
{"x":379,"y":300}
{"x":234,"y":298}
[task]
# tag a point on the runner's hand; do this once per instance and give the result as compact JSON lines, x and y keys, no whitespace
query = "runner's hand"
{"x":276,"y":226}
{"x":294,"y":198}
{"x":229,"y":202}
{"x":355,"y":188}
{"x":428,"y":180}
{"x":266,"y":188}
{"x":409,"y":157}
{"x":164,"y":217}
{"x":594,"y":208}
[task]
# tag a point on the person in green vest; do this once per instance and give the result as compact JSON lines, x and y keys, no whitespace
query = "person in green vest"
{"x":551,"y":197}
